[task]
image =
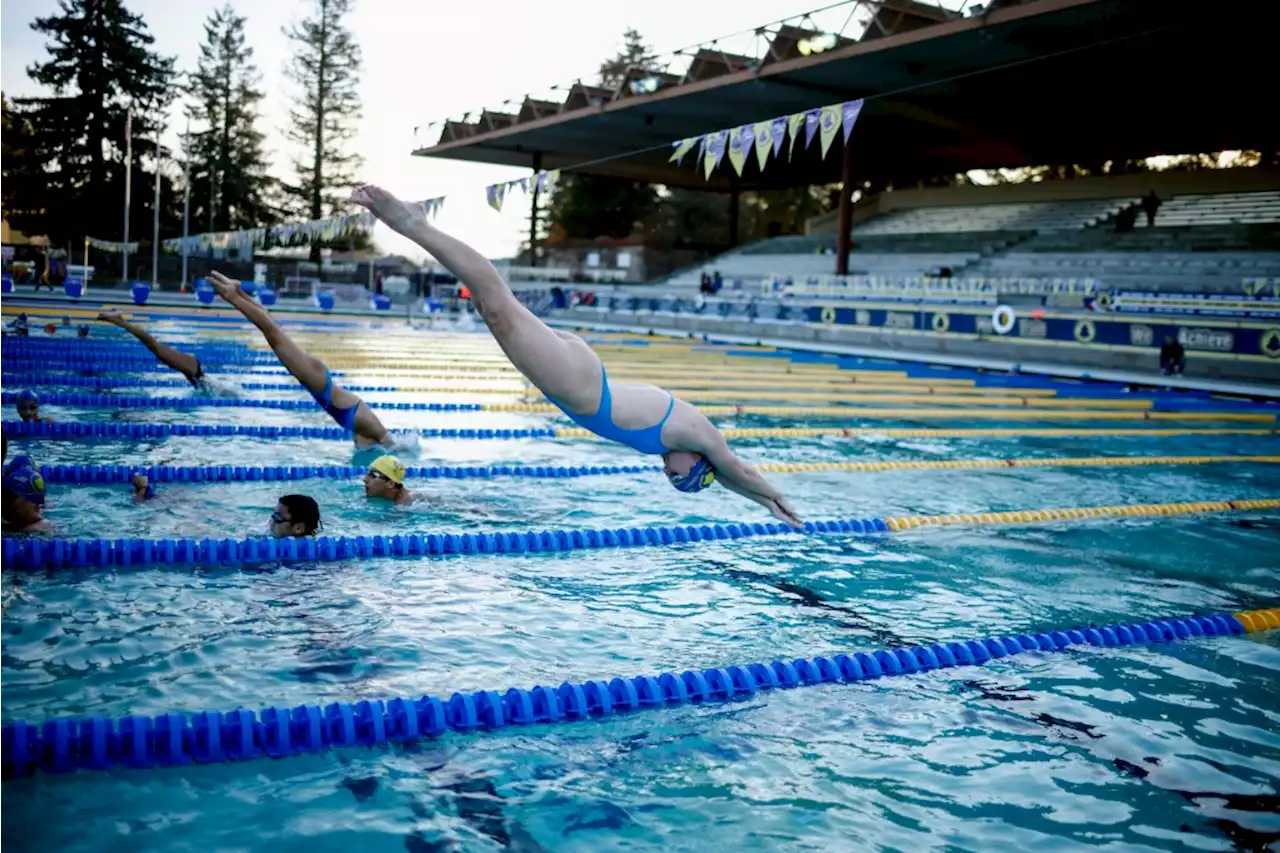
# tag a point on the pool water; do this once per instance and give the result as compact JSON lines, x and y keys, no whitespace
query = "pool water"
{"x":1166,"y":747}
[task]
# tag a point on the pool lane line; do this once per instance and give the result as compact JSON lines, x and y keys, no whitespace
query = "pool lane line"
{"x":964,"y":409}
{"x":115,"y":474}
{"x":41,"y":553}
{"x":72,"y":430}
{"x":64,"y":745}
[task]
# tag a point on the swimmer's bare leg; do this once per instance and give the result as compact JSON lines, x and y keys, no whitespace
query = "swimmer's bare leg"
{"x":187,"y":365}
{"x":304,"y":366}
{"x":559,"y":363}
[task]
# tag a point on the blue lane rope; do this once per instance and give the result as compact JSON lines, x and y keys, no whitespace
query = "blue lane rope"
{"x":104,"y":383}
{"x":40,"y":553}
{"x":64,"y":745}
{"x":123,"y":402}
{"x":72,"y":430}
{"x":115,"y":474}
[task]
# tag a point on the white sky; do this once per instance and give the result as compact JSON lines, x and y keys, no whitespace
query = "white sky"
{"x":424,"y":61}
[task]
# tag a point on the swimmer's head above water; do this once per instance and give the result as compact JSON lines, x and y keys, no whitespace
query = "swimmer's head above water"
{"x":385,"y":479}
{"x":295,"y":515}
{"x":28,"y":404}
{"x":23,"y":489}
{"x":687,"y":472}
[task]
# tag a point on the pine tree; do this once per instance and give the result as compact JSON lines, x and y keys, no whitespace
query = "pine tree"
{"x":229,"y":180}
{"x":635,"y":54}
{"x":100,"y":63}
{"x":326,"y":68}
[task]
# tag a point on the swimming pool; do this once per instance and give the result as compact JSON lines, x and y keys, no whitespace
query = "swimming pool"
{"x":1168,"y":746}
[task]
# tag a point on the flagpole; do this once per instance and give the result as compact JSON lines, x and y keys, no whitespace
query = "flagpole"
{"x":128,"y":176}
{"x":155,"y":217}
{"x":186,"y":206}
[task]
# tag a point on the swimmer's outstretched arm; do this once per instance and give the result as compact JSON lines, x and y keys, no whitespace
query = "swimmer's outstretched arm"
{"x":735,"y":474}
{"x":182,"y":362}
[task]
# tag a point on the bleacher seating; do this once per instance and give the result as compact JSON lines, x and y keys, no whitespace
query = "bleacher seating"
{"x":1029,"y":216}
{"x":1174,"y":272}
{"x":1218,"y":209}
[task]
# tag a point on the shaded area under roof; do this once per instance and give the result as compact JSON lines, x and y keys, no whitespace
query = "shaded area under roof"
{"x":1049,"y":81}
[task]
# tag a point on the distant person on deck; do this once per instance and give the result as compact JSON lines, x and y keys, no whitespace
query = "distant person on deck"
{"x":1150,"y":204}
{"x":1173,"y":358}
{"x":562,"y":366}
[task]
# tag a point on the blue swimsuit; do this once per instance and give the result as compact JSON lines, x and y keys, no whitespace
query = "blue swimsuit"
{"x":647,"y":440}
{"x":346,"y":418}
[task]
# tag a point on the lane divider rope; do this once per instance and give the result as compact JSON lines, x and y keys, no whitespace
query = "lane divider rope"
{"x":64,"y":745}
{"x":71,"y":430}
{"x":39,"y":553}
{"x":116,"y":474}
{"x":966,"y":409}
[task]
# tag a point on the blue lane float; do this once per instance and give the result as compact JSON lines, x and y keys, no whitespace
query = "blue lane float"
{"x":64,"y":745}
{"x":107,"y":383}
{"x":120,"y":401}
{"x":69,"y":431}
{"x":40,"y":553}
{"x":117,"y":474}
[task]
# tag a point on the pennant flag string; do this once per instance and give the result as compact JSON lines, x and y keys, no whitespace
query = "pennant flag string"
{"x":767,"y":137}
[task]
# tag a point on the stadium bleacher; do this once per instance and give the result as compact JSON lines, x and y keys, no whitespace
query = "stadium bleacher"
{"x":1206,"y":243}
{"x":1029,"y":216}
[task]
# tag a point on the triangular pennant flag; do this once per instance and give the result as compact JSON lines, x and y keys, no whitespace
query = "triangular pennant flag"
{"x":511,"y":186}
{"x":553,"y":178}
{"x":439,"y":204}
{"x":740,"y":139}
{"x":811,"y":119}
{"x":524,"y":185}
{"x":495,"y":194}
{"x":830,"y":123}
{"x":778,"y":130}
{"x":715,"y":152}
{"x":793,"y":124}
{"x":850,"y":111}
{"x":680,"y":149}
{"x":764,"y":142}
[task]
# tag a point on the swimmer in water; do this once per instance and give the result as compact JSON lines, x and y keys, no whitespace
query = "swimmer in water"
{"x":562,"y":366}
{"x":28,"y":405}
{"x":351,"y":413}
{"x":296,"y":516}
{"x":186,"y":364}
{"x":385,"y":479}
{"x":23,"y":497}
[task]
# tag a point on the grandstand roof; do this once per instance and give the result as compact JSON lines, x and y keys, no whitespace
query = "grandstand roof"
{"x":1042,"y":81}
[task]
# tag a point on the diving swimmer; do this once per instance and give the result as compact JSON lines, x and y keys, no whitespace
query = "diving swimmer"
{"x":643,"y":417}
{"x":186,"y":364}
{"x":351,"y":413}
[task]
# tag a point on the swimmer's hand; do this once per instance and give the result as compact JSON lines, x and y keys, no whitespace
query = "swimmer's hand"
{"x":227,"y":288}
{"x":783,"y":511}
{"x":399,"y":215}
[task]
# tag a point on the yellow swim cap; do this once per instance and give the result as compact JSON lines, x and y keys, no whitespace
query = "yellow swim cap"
{"x":389,"y":467}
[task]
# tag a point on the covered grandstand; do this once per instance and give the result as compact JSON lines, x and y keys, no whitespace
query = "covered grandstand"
{"x":1042,"y":81}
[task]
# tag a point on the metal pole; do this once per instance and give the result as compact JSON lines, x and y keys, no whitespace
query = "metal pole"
{"x":155,"y":221}
{"x":128,"y":178}
{"x":186,"y":206}
{"x":533,"y":210}
{"x":844,"y":211}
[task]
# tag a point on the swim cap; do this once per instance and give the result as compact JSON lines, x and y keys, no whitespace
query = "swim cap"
{"x":28,"y":396}
{"x":24,"y":477}
{"x":699,"y":477}
{"x":389,"y":467}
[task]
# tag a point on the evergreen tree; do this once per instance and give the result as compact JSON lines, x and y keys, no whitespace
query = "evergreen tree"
{"x":634,"y":54}
{"x":326,"y":68}
{"x":100,"y":63}
{"x":229,"y":181}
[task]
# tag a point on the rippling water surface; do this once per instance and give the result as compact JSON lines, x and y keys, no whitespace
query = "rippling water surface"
{"x":1169,"y":747}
